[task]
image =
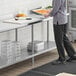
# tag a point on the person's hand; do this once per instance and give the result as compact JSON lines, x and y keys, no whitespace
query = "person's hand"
{"x":46,"y":15}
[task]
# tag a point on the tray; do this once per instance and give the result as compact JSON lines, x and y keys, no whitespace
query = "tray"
{"x":41,"y":11}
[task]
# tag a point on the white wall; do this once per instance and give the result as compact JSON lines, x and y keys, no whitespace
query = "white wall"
{"x":13,"y":6}
{"x":9,"y":6}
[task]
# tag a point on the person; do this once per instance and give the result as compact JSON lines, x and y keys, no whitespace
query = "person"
{"x":60,"y":23}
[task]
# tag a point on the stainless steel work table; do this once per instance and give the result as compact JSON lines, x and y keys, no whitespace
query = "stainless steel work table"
{"x":8,"y":26}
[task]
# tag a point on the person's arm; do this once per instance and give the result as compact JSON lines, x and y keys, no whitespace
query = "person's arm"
{"x":56,"y":6}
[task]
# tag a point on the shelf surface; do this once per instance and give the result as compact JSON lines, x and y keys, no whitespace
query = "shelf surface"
{"x":48,"y":46}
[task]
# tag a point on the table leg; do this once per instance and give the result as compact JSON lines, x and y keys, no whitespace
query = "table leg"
{"x":32,"y":33}
{"x":16,"y":34}
{"x":47,"y":31}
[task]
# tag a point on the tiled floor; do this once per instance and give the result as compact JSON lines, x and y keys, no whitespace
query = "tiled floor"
{"x":19,"y":68}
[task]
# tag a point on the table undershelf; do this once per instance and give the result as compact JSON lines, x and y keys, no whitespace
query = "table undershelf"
{"x":48,"y":46}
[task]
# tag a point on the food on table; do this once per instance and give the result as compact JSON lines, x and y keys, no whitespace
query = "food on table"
{"x":21,"y":15}
{"x":48,"y":7}
{"x":41,"y":11}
